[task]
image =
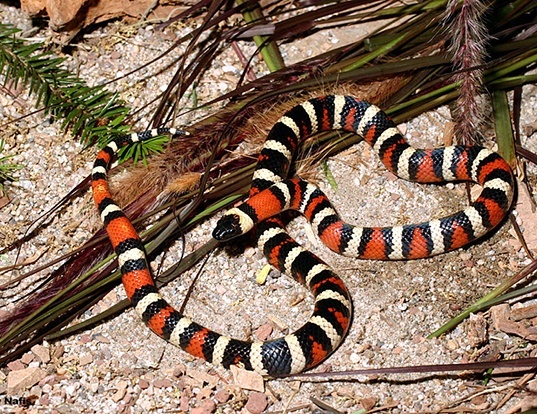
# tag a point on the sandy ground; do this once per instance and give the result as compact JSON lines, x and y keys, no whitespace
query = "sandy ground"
{"x":120,"y":366}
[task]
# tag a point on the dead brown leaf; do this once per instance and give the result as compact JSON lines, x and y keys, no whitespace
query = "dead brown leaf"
{"x":73,"y":15}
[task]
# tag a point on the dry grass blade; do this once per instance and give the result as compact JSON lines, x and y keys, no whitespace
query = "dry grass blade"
{"x":529,"y":363}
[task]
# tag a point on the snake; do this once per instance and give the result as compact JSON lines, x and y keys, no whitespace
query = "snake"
{"x":273,"y":191}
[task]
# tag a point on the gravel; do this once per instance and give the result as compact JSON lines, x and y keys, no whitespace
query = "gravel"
{"x":120,"y":366}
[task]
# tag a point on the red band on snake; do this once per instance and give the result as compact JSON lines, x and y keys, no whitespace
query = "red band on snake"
{"x":273,"y":192}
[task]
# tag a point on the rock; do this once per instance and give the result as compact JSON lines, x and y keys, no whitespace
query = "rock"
{"x":257,"y":403}
{"x":184,"y":402}
{"x":44,"y":400}
{"x":85,"y":338}
{"x":222,"y":396}
{"x":23,"y":378}
{"x":204,"y":393}
{"x":206,"y":407}
{"x":368,"y":403}
{"x":119,"y":394}
{"x":58,"y":351}
{"x":27,"y":358}
{"x":33,"y":7}
{"x":202,"y":377}
{"x":41,"y":352}
{"x":248,"y":380}
{"x":179,"y":370}
{"x":16,"y":365}
{"x":102,"y":339}
{"x":263,"y":332}
{"x":85,"y":359}
{"x":162,"y":383}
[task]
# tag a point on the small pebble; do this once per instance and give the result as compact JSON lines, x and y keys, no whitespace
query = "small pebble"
{"x":222,"y":396}
{"x":85,"y":359}
{"x":44,"y":400}
{"x":204,"y":393}
{"x":58,"y":351}
{"x":368,"y":403}
{"x":179,"y":371}
{"x":257,"y":403}
{"x":452,"y":345}
{"x":16,"y":365}
{"x":41,"y":352}
{"x":36,"y":390}
{"x":184,"y":402}
{"x":119,"y":394}
{"x":263,"y":332}
{"x":85,"y":338}
{"x":101,"y":338}
{"x":162,"y":383}
{"x":27,"y":358}
{"x":354,"y":358}
{"x":94,"y":386}
{"x":206,"y":407}
{"x":247,"y":380}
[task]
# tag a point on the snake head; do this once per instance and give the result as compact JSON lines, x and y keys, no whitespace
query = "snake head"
{"x":234,"y":223}
{"x":227,"y":227}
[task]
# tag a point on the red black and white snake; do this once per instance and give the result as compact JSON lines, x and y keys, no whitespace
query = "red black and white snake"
{"x":271,"y":192}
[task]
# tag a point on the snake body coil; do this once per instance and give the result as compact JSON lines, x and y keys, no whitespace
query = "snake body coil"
{"x":273,"y":192}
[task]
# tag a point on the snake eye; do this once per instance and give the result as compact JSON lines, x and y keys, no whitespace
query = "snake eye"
{"x":227,"y":227}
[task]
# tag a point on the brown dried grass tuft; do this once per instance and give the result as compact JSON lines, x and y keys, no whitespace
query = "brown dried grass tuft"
{"x":469,"y":42}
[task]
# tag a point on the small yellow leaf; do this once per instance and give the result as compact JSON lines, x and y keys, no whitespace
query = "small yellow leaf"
{"x":261,"y":277}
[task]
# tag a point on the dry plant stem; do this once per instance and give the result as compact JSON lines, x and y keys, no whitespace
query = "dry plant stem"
{"x":292,"y":409}
{"x":249,"y":72}
{"x":520,"y":237}
{"x":522,"y":381}
{"x":529,"y":363}
{"x":384,"y":408}
{"x":487,"y":391}
{"x":325,"y":407}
